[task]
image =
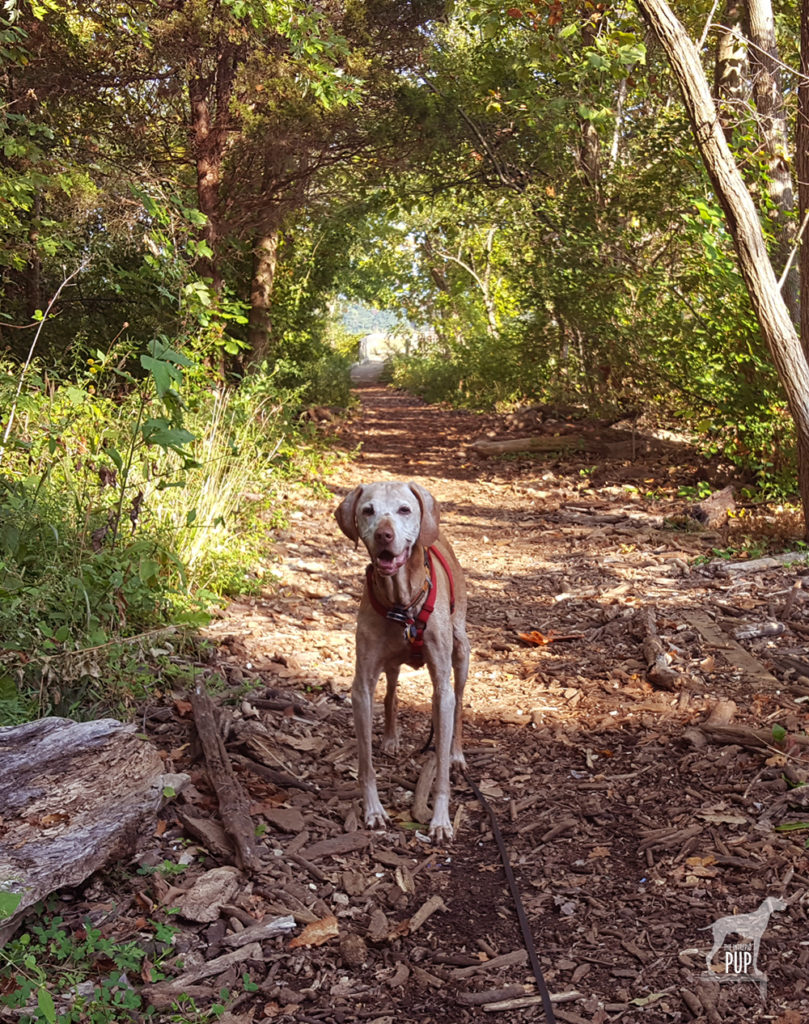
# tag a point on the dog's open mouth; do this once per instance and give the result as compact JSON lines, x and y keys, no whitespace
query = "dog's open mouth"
{"x":387,"y":564}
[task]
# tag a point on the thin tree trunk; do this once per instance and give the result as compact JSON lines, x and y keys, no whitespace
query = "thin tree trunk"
{"x":33,"y":274}
{"x":209,"y":95}
{"x":802,"y":167}
{"x":208,"y":156}
{"x":754,"y":263}
{"x":620,"y":101}
{"x":732,"y":71}
{"x":773,"y":127}
{"x":259,"y":334}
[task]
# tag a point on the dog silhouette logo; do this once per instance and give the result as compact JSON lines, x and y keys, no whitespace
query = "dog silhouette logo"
{"x":741,"y":958}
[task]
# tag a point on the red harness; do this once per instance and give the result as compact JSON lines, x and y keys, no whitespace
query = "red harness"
{"x":414,"y":626}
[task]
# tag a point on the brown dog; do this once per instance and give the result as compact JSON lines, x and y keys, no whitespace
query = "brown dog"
{"x":413,"y":611}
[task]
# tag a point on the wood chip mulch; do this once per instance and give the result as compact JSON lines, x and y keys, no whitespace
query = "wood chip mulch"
{"x":645,"y":756}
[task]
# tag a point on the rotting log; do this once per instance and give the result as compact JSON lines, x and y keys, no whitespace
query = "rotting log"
{"x":512,"y":445}
{"x":74,"y":797}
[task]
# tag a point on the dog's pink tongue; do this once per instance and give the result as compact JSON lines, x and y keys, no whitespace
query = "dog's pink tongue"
{"x":387,"y":563}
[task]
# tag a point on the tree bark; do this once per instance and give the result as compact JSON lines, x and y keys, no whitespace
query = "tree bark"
{"x":802,"y":162}
{"x":773,"y":128}
{"x":74,"y":797}
{"x":259,"y":334}
{"x":732,"y":72}
{"x":209,"y":93}
{"x":743,"y":224}
{"x":802,"y":167}
{"x":208,"y":156}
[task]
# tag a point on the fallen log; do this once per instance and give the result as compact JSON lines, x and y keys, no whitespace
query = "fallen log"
{"x":511,"y":445}
{"x":658,"y":661}
{"x":754,"y":739}
{"x":760,"y":564}
{"x":74,"y":797}
{"x":232,"y":799}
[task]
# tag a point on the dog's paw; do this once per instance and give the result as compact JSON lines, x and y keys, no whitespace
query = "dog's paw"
{"x":390,"y":745}
{"x":441,"y":832}
{"x":375,"y":816}
{"x":457,"y":760}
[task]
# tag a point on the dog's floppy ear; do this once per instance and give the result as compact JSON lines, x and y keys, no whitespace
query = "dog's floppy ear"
{"x":429,"y":515}
{"x":346,"y":515}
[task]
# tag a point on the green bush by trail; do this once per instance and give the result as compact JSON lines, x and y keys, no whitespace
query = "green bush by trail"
{"x":132,"y":499}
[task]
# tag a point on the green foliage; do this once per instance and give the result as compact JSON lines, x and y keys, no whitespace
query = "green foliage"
{"x":50,"y":974}
{"x":122,"y":515}
{"x":56,"y":974}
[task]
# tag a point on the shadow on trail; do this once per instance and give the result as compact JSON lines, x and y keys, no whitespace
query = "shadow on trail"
{"x":401,"y":433}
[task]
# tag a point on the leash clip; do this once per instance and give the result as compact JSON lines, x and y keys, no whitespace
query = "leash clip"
{"x":398,"y":614}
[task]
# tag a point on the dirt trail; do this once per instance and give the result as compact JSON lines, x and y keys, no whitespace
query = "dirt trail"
{"x":630,"y":830}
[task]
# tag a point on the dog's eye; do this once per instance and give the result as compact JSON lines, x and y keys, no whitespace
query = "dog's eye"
{"x":404,"y":510}
{"x":368,"y":510}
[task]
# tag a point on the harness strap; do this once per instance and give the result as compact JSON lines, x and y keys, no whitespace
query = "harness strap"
{"x":415,"y":625}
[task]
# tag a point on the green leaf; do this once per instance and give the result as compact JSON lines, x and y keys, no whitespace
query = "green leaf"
{"x":779,"y":733}
{"x":160,"y":433}
{"x":46,"y":1005}
{"x":148,"y":570}
{"x":9,"y":901}
{"x":163,"y":373}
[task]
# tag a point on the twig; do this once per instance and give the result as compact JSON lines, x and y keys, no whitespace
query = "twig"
{"x":708,"y":23}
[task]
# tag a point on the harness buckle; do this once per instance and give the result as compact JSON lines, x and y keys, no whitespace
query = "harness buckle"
{"x":398,"y":614}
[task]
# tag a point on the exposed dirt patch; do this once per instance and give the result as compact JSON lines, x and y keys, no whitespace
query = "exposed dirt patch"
{"x":631,"y":830}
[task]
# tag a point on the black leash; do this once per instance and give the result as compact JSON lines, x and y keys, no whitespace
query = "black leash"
{"x":522,"y":917}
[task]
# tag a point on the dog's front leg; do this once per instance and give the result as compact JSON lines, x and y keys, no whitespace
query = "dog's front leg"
{"x":390,"y":737}
{"x":443,"y":721}
{"x":362,"y":704}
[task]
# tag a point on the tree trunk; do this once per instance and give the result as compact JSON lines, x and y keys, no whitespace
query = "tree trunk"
{"x":773,"y":128}
{"x":802,"y":162}
{"x":732,"y":72}
{"x":74,"y":798}
{"x":33,"y":274}
{"x":208,"y":156}
{"x":265,"y":260}
{"x":802,"y":167}
{"x":209,"y":94}
{"x":740,"y":212}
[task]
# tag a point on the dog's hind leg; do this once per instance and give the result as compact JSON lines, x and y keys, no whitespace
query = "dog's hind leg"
{"x":390,"y":737}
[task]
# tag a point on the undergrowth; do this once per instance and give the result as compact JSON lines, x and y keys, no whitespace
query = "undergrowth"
{"x":133,"y":497}
{"x":57,"y":974}
{"x":747,"y":424}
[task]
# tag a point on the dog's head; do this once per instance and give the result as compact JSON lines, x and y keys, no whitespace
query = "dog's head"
{"x":390,"y":519}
